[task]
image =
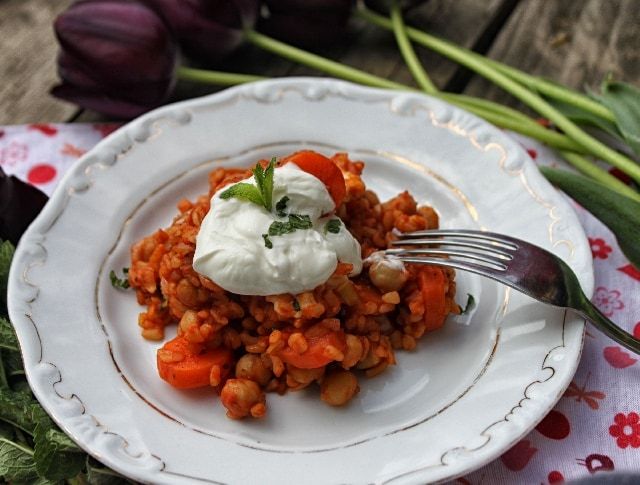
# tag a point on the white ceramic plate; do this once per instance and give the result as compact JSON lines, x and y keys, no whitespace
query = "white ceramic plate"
{"x":463,"y":397}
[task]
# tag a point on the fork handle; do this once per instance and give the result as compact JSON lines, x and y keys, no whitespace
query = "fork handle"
{"x":606,"y":326}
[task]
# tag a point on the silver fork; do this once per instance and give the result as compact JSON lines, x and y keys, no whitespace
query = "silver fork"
{"x":521,"y":265}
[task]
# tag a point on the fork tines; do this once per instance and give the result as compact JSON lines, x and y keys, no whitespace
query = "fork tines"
{"x":459,"y":247}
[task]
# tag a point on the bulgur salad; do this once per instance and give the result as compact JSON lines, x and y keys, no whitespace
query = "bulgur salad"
{"x":276,"y":282}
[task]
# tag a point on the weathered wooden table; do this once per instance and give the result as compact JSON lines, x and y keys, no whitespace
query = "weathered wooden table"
{"x":576,"y":42}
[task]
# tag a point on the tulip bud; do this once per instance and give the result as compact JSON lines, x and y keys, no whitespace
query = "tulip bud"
{"x":207,"y":30}
{"x":384,"y":6}
{"x":117,"y":57}
{"x":306,"y":23}
{"x":20,"y":203}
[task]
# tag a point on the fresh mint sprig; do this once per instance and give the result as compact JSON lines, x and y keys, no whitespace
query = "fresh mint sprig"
{"x":260,"y":194}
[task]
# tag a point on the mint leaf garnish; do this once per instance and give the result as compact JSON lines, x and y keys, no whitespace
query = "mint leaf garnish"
{"x":281,"y":205}
{"x":296,"y":221}
{"x":261,"y":193}
{"x":333,"y":226}
{"x":471,"y":303}
{"x":267,"y":242}
{"x":121,"y":283}
{"x":296,"y":305}
{"x":244,"y":191}
{"x":267,"y":185}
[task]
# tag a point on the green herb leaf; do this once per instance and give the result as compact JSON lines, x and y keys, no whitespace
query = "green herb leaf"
{"x":6,"y":255}
{"x":121,"y":283}
{"x":333,"y":226}
{"x":296,"y":305}
{"x":471,"y":304}
{"x":57,"y":456}
{"x":100,"y":475}
{"x":16,"y":462}
{"x":281,"y":206}
{"x":624,"y":101}
{"x":8,"y":339}
{"x":619,"y":213}
{"x":258,"y":176}
{"x":267,"y":241}
{"x":21,"y":410}
{"x":296,"y":221}
{"x":267,"y":184}
{"x":244,"y":191}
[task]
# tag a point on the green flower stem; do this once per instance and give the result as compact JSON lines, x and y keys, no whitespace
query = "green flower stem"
{"x":531,"y":99}
{"x":590,"y":169}
{"x":541,"y":85}
{"x":320,"y":63}
{"x":409,"y":55}
{"x":492,"y":112}
{"x":218,"y":78}
{"x":530,"y":128}
{"x":551,"y":89}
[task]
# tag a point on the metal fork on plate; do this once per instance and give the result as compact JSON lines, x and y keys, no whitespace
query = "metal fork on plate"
{"x":521,"y":265}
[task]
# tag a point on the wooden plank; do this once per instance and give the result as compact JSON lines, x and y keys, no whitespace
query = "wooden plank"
{"x":28,"y":62}
{"x":573,"y":42}
{"x":370,"y":48}
{"x":374,"y":49}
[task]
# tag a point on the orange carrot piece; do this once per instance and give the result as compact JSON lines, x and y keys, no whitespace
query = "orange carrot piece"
{"x":432,"y":281}
{"x":195,"y":368}
{"x":322,"y":168}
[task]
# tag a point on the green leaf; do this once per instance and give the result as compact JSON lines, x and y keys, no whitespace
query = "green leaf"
{"x":6,"y":255}
{"x":619,"y":213}
{"x":296,"y":221}
{"x":267,"y":242}
{"x":121,"y":283}
{"x":584,"y":117}
{"x":21,"y":410}
{"x":12,"y":363}
{"x":16,"y":462}
{"x":267,"y":186}
{"x":243,"y":191}
{"x":624,"y":101}
{"x":281,"y":206}
{"x":8,"y":339}
{"x":333,"y":226}
{"x":471,"y":303}
{"x":57,"y":456}
{"x":258,"y":176}
{"x":100,"y":475}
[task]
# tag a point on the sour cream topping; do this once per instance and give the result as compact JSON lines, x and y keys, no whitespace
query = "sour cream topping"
{"x":231,"y":251}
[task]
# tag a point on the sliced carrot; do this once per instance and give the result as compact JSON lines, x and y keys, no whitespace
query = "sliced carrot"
{"x":432,"y":281}
{"x":195,"y":367}
{"x":315,"y":356}
{"x":322,"y":168}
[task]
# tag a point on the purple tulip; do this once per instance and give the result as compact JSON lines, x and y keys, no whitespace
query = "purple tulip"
{"x":117,"y":57}
{"x":207,"y":30}
{"x":306,"y":23}
{"x":20,"y":203}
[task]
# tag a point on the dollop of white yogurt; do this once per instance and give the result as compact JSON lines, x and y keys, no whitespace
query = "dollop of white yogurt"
{"x":231,"y":251}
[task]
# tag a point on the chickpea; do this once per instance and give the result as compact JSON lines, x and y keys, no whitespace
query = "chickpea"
{"x":354,"y":351}
{"x":387,"y":276}
{"x":339,"y":387}
{"x":304,"y":376}
{"x":242,"y":397}
{"x":251,"y":366}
